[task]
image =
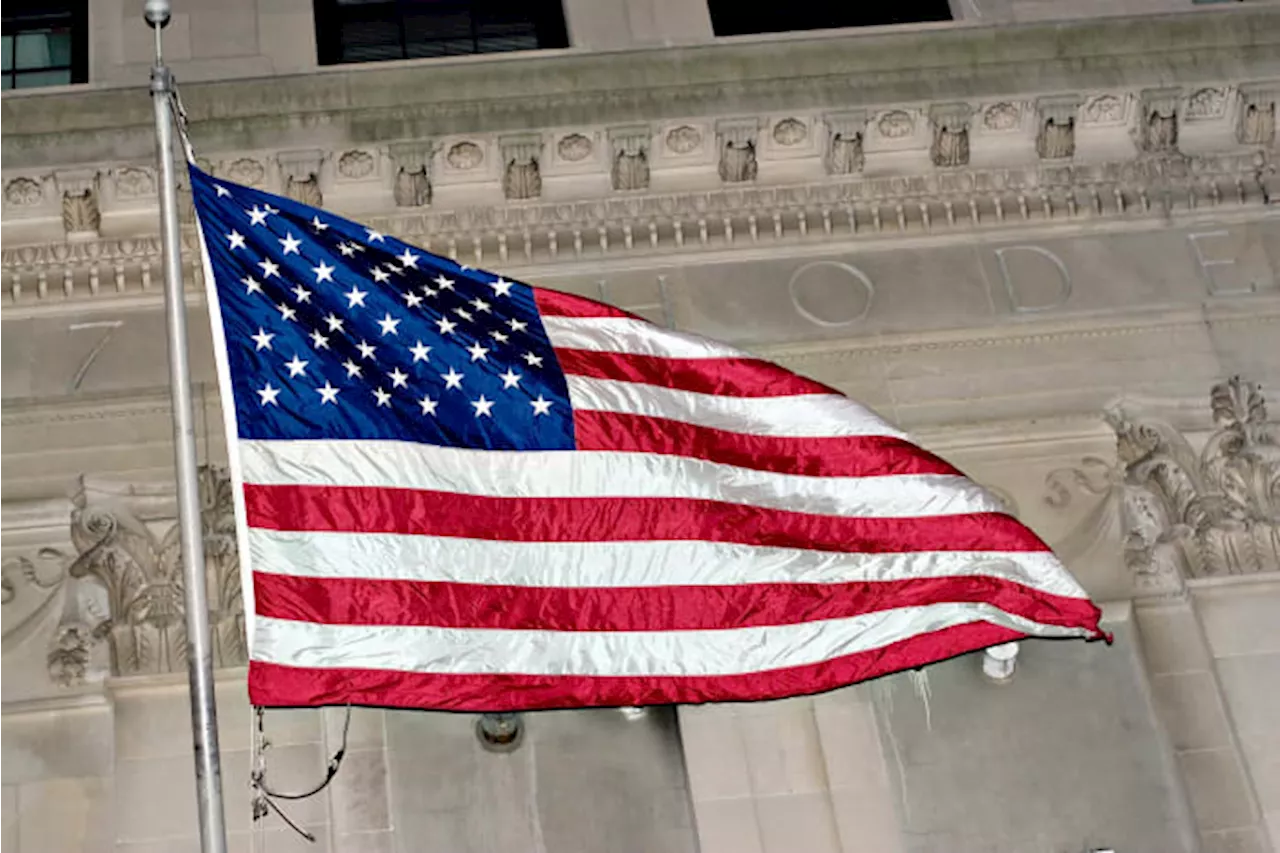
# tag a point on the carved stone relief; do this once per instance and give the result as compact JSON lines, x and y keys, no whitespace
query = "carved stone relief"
{"x":1001,"y":117}
{"x":1185,"y":514}
{"x":1056,"y":135}
{"x":790,"y":132}
{"x":896,"y":124}
{"x":845,"y":154}
{"x":1257,"y":121}
{"x":411,"y":186}
{"x":132,"y":182}
{"x":630,"y":149}
{"x":521,"y":176}
{"x":738,"y":150}
{"x":684,"y":139}
{"x":1158,"y":128}
{"x":1104,"y":109}
{"x":81,"y":215}
{"x":1206,"y":103}
{"x":124,"y":587}
{"x":301,"y":173}
{"x":574,"y":148}
{"x":246,"y":171}
{"x":465,"y":155}
{"x":23,"y":192}
{"x":950,"y":147}
{"x":355,"y":165}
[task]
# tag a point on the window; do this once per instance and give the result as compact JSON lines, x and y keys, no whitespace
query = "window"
{"x":738,"y":18}
{"x":377,"y":30}
{"x":45,"y":43}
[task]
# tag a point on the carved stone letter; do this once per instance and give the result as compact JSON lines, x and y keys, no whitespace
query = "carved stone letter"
{"x":822,"y":279}
{"x":1060,"y":268}
{"x":1207,"y":265}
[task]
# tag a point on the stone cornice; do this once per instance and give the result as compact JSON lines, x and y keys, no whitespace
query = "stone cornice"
{"x":373,"y":103}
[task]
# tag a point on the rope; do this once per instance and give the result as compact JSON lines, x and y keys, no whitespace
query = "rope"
{"x":264,"y":801}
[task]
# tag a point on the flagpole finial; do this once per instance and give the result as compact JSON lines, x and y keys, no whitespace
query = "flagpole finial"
{"x":157,"y":13}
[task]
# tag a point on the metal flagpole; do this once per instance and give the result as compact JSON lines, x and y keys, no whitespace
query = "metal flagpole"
{"x":204,"y":714}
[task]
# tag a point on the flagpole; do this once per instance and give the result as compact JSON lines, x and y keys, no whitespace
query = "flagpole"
{"x":204,"y":713}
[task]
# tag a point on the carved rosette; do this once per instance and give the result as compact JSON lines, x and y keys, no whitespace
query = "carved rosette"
{"x":629,"y":147}
{"x":738,"y":140}
{"x":124,"y":588}
{"x":950,"y":146}
{"x":521,"y":174}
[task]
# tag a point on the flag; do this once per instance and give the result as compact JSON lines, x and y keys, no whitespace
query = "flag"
{"x":457,"y":491}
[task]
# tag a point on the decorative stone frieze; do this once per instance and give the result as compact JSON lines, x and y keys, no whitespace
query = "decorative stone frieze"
{"x":1002,"y":117}
{"x":300,"y":175}
{"x":411,"y":186}
{"x":356,"y":164}
{"x":1056,"y":127}
{"x":950,"y":146}
{"x":1256,"y":122}
{"x":1208,"y":102}
{"x":1188,"y":514}
{"x":738,"y":140}
{"x":1158,"y":122}
{"x":521,"y":174}
{"x":23,"y":192}
{"x":245,"y":170}
{"x":629,"y":157}
{"x":845,"y":132}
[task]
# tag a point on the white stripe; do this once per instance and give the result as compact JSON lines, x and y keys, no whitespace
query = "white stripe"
{"x":618,"y":653}
{"x":798,"y":416}
{"x":635,"y":337}
{"x":603,"y":474}
{"x":391,"y":556}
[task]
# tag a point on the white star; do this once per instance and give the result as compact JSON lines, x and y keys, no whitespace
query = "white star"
{"x":302,"y":294}
{"x":517,"y":325}
{"x":412,"y":299}
{"x":334,"y":322}
{"x":540,"y":406}
{"x":398,"y":378}
{"x":426,"y":288}
{"x":374,"y":236}
{"x":297,"y":367}
{"x":318,"y":340}
{"x":221,"y":190}
{"x":324,"y":272}
{"x":262,"y":339}
{"x":452,"y":379}
{"x":478,"y":352}
{"x":501,"y":287}
{"x":395,"y":269}
{"x":328,"y":394}
{"x":355,"y":296}
{"x":428,"y":405}
{"x":270,"y":209}
{"x":366,"y":349}
{"x":317,"y":224}
{"x":445,"y":283}
{"x":236,"y":239}
{"x":250,"y":285}
{"x":257,"y":216}
{"x":388,"y":324}
{"x":510,"y":379}
{"x":481,"y":305}
{"x":380,"y":275}
{"x":353,"y":369}
{"x":499,"y":336}
{"x":348,"y":250}
{"x":286,"y":313}
{"x":532,"y":360}
{"x":483,"y":406}
{"x":464,"y":314}
{"x":420,"y":352}
{"x":269,"y":267}
{"x":268,"y":395}
{"x":446,"y":325}
{"x":409,"y":259}
{"x":290,"y":243}
{"x":384,"y":397}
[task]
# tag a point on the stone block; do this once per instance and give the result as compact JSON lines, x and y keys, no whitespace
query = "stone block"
{"x":797,"y":822}
{"x":359,"y":793}
{"x":1217,"y":789}
{"x":365,"y":842}
{"x":367,"y":729}
{"x":715,"y":755}
{"x":850,"y":744}
{"x":728,"y":826}
{"x":1191,"y":710}
{"x":1171,"y":640}
{"x":1240,"y":621}
{"x":1235,"y":841}
{"x":1261,"y":750}
{"x":59,"y":815}
{"x":866,"y":820}
{"x":783,"y":749}
{"x":1251,"y":684}
{"x":72,"y":743}
{"x":9,"y":835}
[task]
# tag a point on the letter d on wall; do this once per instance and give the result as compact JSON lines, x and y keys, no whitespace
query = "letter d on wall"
{"x":1039,"y":262}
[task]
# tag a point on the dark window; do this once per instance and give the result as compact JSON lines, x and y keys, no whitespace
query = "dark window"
{"x":739,"y":18}
{"x":45,"y":43}
{"x":377,"y":30}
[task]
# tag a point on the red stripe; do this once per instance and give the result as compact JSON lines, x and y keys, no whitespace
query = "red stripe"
{"x":380,"y":510}
{"x":355,"y":601}
{"x":553,"y":303}
{"x":728,"y":377}
{"x":840,"y":456}
{"x":274,"y":685}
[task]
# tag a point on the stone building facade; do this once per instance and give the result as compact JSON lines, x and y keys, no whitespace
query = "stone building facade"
{"x":1042,"y":236}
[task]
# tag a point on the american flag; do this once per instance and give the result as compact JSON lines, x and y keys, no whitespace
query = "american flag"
{"x":457,"y":491}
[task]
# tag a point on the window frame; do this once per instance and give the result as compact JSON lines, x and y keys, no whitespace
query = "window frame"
{"x":26,"y":16}
{"x":547,"y":17}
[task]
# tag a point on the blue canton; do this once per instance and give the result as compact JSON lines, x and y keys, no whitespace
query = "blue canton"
{"x":335,"y":331}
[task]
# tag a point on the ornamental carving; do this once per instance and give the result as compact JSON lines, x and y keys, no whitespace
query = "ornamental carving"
{"x":845,"y":156}
{"x":738,"y":162}
{"x":124,"y":587}
{"x":465,"y":155}
{"x":896,"y":124}
{"x":630,"y":146}
{"x":1001,"y":117}
{"x":132,"y":182}
{"x":574,"y":147}
{"x":790,"y":131}
{"x":1056,"y":139}
{"x":356,"y":165}
{"x":23,"y":192}
{"x":412,"y":188}
{"x":1207,"y":103}
{"x":304,"y":190}
{"x":522,"y":176}
{"x":1187,"y":514}
{"x":1104,"y":109}
{"x":950,"y":147}
{"x":246,"y":171}
{"x":683,"y":139}
{"x":1256,"y":124}
{"x":80,"y":213}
